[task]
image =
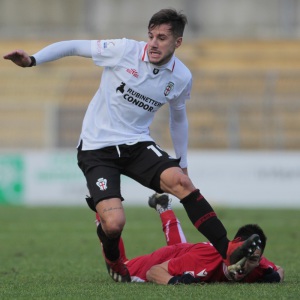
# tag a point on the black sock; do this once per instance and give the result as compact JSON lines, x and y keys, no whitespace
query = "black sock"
{"x":206,"y":221}
{"x":110,"y":245}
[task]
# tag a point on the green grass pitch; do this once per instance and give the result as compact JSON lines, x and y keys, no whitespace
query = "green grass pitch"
{"x":53,"y":253}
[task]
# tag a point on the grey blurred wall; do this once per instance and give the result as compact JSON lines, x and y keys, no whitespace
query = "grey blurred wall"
{"x":118,"y":18}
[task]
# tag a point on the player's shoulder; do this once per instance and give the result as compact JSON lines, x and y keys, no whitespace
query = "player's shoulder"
{"x":181,"y":69}
{"x":122,"y":42}
{"x":131,"y":43}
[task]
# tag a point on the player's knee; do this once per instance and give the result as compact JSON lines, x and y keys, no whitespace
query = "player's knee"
{"x":185,"y":182}
{"x":113,"y":228}
{"x":181,"y":185}
{"x":182,"y":182}
{"x":175,"y":182}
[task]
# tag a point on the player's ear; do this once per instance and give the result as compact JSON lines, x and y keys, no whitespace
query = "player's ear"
{"x":178,"y":42}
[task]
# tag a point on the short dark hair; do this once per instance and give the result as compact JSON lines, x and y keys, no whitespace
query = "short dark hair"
{"x":177,"y":20}
{"x":247,"y":230}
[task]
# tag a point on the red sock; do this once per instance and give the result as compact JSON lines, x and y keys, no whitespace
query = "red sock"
{"x":122,"y":250}
{"x":172,"y":228}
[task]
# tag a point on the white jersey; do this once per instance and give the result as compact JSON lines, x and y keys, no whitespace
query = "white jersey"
{"x":131,"y":91}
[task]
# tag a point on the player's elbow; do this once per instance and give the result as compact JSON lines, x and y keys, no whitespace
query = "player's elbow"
{"x":157,"y":275}
{"x":149,"y":276}
{"x":280,"y":271}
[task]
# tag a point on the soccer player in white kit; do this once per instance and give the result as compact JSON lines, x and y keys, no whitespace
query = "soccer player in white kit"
{"x":138,"y":78}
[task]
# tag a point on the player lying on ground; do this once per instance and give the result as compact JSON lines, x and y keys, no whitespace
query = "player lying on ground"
{"x":182,"y":262}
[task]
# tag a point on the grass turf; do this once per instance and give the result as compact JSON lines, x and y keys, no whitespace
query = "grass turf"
{"x":53,"y":253}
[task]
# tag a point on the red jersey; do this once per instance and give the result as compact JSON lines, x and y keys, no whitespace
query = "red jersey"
{"x":201,"y":260}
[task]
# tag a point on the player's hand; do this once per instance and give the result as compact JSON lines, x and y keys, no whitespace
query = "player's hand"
{"x":271,"y":276}
{"x":19,"y":57}
{"x":184,"y":279}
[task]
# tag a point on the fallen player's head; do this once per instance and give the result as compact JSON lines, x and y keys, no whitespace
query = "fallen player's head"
{"x":246,"y":231}
{"x":252,"y":262}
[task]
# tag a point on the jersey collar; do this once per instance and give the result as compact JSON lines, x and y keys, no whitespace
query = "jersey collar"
{"x":170,"y":65}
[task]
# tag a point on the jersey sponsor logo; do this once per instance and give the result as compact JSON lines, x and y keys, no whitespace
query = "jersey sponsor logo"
{"x":133,"y":72}
{"x":102,"y":184}
{"x":202,"y":273}
{"x":141,"y":97}
{"x":169,"y":88}
{"x":120,"y":88}
{"x":138,"y":99}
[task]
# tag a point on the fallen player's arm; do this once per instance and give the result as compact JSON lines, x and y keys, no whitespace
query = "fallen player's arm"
{"x":159,"y":274}
{"x":280,"y":271}
{"x":272,"y":276}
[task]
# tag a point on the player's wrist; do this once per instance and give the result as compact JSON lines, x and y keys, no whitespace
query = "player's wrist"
{"x":185,"y":279}
{"x":174,"y":280}
{"x":32,"y":61}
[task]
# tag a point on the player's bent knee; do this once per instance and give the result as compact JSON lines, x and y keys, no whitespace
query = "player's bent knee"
{"x":113,"y":229}
{"x":113,"y":232}
{"x":182,"y":181}
{"x":180,"y":185}
{"x":186,"y":182}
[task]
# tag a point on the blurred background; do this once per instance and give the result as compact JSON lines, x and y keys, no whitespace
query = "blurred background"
{"x":244,"y":114}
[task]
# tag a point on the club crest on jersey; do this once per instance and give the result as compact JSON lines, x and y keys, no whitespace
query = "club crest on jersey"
{"x":102,"y":184}
{"x":169,"y":88}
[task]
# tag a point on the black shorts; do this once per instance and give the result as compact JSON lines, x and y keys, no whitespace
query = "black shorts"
{"x":143,"y":162}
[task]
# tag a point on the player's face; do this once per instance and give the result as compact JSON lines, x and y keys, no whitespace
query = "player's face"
{"x":161,"y":44}
{"x":251,"y":263}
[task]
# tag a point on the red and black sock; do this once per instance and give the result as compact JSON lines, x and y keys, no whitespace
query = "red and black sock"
{"x":110,"y":245}
{"x":206,"y":221}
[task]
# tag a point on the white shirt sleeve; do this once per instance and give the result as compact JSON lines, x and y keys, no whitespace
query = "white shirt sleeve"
{"x":108,"y":53}
{"x":61,"y":49}
{"x":179,"y":125}
{"x":179,"y":133}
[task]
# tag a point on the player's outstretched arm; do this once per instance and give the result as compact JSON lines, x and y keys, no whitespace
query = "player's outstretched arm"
{"x":51,"y":52}
{"x":159,"y":274}
{"x":19,"y":57}
{"x":280,"y":271}
{"x":272,"y":276}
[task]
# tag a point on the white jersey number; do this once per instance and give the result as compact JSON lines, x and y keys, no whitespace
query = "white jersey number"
{"x":155,"y":150}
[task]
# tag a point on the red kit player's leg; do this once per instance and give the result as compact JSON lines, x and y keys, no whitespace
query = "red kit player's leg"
{"x":172,"y":228}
